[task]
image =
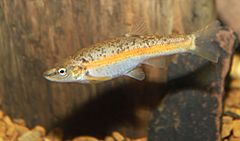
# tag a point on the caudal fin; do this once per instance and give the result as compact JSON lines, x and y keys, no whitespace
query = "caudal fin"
{"x":205,"y":42}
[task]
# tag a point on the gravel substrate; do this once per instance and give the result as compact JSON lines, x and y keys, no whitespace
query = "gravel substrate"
{"x":16,"y":130}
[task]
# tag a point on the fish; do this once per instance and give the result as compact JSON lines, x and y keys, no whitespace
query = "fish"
{"x":124,"y":55}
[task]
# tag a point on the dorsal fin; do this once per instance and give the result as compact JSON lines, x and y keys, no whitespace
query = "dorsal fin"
{"x":137,"y":28}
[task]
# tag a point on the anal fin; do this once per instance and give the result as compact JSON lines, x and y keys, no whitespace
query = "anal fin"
{"x":136,"y":73}
{"x":159,"y":62}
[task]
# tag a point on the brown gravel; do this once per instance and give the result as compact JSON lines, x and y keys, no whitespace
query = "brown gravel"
{"x":231,"y":118}
{"x":16,"y":130}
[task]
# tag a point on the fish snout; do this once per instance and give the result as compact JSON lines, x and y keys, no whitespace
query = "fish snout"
{"x":49,"y":73}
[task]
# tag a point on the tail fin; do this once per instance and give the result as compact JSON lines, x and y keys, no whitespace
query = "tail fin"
{"x":205,"y":42}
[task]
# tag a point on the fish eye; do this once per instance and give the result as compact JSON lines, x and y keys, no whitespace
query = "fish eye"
{"x":62,"y":71}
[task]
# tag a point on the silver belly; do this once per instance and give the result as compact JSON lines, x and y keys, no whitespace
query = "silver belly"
{"x":115,"y":69}
{"x":124,"y":66}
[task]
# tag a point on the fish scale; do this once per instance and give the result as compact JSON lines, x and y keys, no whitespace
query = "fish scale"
{"x":127,"y":50}
{"x":121,"y":44}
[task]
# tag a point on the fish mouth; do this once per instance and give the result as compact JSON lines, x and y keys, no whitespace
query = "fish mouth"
{"x":49,"y":74}
{"x":48,"y":78}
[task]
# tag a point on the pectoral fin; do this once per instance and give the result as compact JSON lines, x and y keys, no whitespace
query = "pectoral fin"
{"x":136,"y":73}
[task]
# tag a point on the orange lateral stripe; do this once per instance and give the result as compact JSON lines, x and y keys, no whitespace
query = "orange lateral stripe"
{"x":138,"y":52}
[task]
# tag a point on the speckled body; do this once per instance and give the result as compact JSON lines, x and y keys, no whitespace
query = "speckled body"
{"x":118,"y":56}
{"x":122,"y":56}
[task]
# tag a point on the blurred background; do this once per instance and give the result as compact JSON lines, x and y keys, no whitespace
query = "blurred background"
{"x":36,"y":34}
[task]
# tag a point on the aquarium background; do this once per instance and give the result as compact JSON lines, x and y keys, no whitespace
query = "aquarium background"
{"x":37,"y":34}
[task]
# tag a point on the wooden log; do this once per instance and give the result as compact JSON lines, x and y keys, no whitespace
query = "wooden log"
{"x":35,"y":35}
{"x":229,"y":16}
